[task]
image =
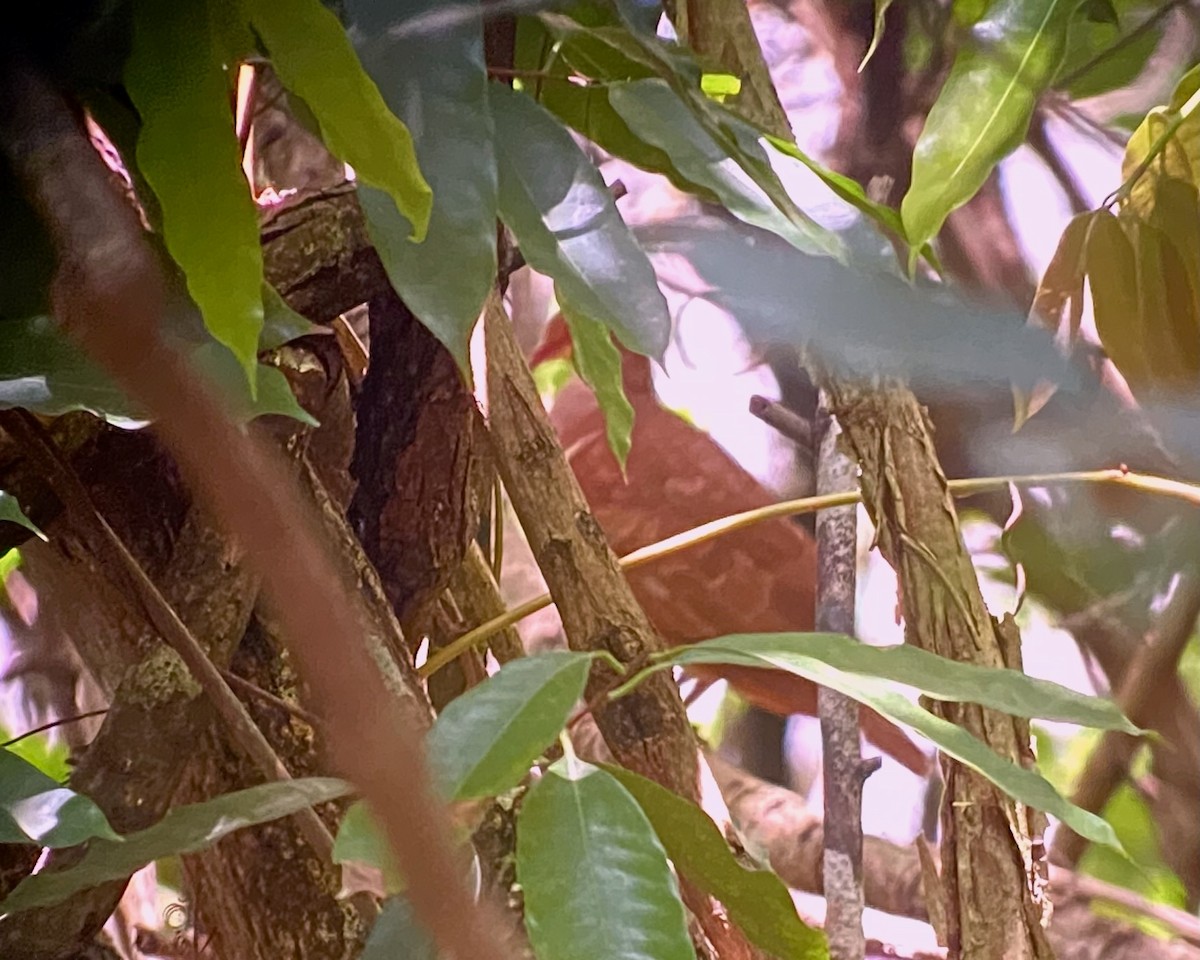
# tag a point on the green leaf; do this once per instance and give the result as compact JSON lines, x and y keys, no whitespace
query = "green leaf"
{"x":568,"y":227}
{"x":1024,"y":785}
{"x":397,"y":934}
{"x":42,"y":371}
{"x":757,"y":900}
{"x":36,"y":809}
{"x":282,"y":324}
{"x":186,"y":829}
{"x":720,"y":85}
{"x":1178,"y":158}
{"x":1085,"y":73}
{"x":360,"y":839}
{"x":189,"y":154}
{"x":1006,"y":62}
{"x":656,"y":115}
{"x":10,"y":511}
{"x":485,"y":741}
{"x":598,"y":361}
{"x":436,"y":84}
{"x":1010,"y":691}
{"x":596,"y":879}
{"x":314,"y":58}
{"x":586,"y":107}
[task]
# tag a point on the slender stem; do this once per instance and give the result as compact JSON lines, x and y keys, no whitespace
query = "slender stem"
{"x":1123,"y":192}
{"x":61,"y":722}
{"x":1162,"y":486}
{"x":841,"y":749}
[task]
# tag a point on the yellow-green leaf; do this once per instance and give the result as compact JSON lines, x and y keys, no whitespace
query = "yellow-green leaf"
{"x":1113,"y":278}
{"x":189,"y":155}
{"x":1006,"y":61}
{"x":314,"y":58}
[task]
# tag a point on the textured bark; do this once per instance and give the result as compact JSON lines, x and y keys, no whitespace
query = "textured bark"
{"x":842,"y":764}
{"x":132,"y":767}
{"x":420,"y":461}
{"x":987,"y":869}
{"x":647,"y":731}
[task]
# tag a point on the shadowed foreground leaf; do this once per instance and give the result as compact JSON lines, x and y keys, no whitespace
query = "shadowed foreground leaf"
{"x":35,"y":808}
{"x":445,"y":278}
{"x":566,"y":222}
{"x":186,"y":829}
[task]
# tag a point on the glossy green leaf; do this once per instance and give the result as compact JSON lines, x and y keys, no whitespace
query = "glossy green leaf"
{"x":189,"y":154}
{"x":314,"y":58}
{"x":11,"y":512}
{"x":1024,"y":785}
{"x":599,"y":364}
{"x":1007,"y":60}
{"x":656,"y":115}
{"x":436,"y":84}
{"x":186,"y":829}
{"x":595,"y":876}
{"x":397,"y":935}
{"x":568,"y":227}
{"x":485,"y":741}
{"x":1010,"y":691}
{"x":757,"y":900}
{"x":36,"y":809}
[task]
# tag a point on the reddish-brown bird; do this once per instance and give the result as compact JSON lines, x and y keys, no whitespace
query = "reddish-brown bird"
{"x":758,"y":580}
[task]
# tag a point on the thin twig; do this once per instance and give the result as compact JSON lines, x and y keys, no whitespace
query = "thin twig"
{"x":841,"y":747}
{"x":61,"y":722}
{"x":783,"y":419}
{"x":65,"y":482}
{"x":722,"y":526}
{"x":266,"y":696}
{"x":1039,"y":140}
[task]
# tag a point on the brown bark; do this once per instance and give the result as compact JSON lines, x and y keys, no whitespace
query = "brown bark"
{"x":420,"y":461}
{"x":647,"y":731}
{"x":109,"y":295}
